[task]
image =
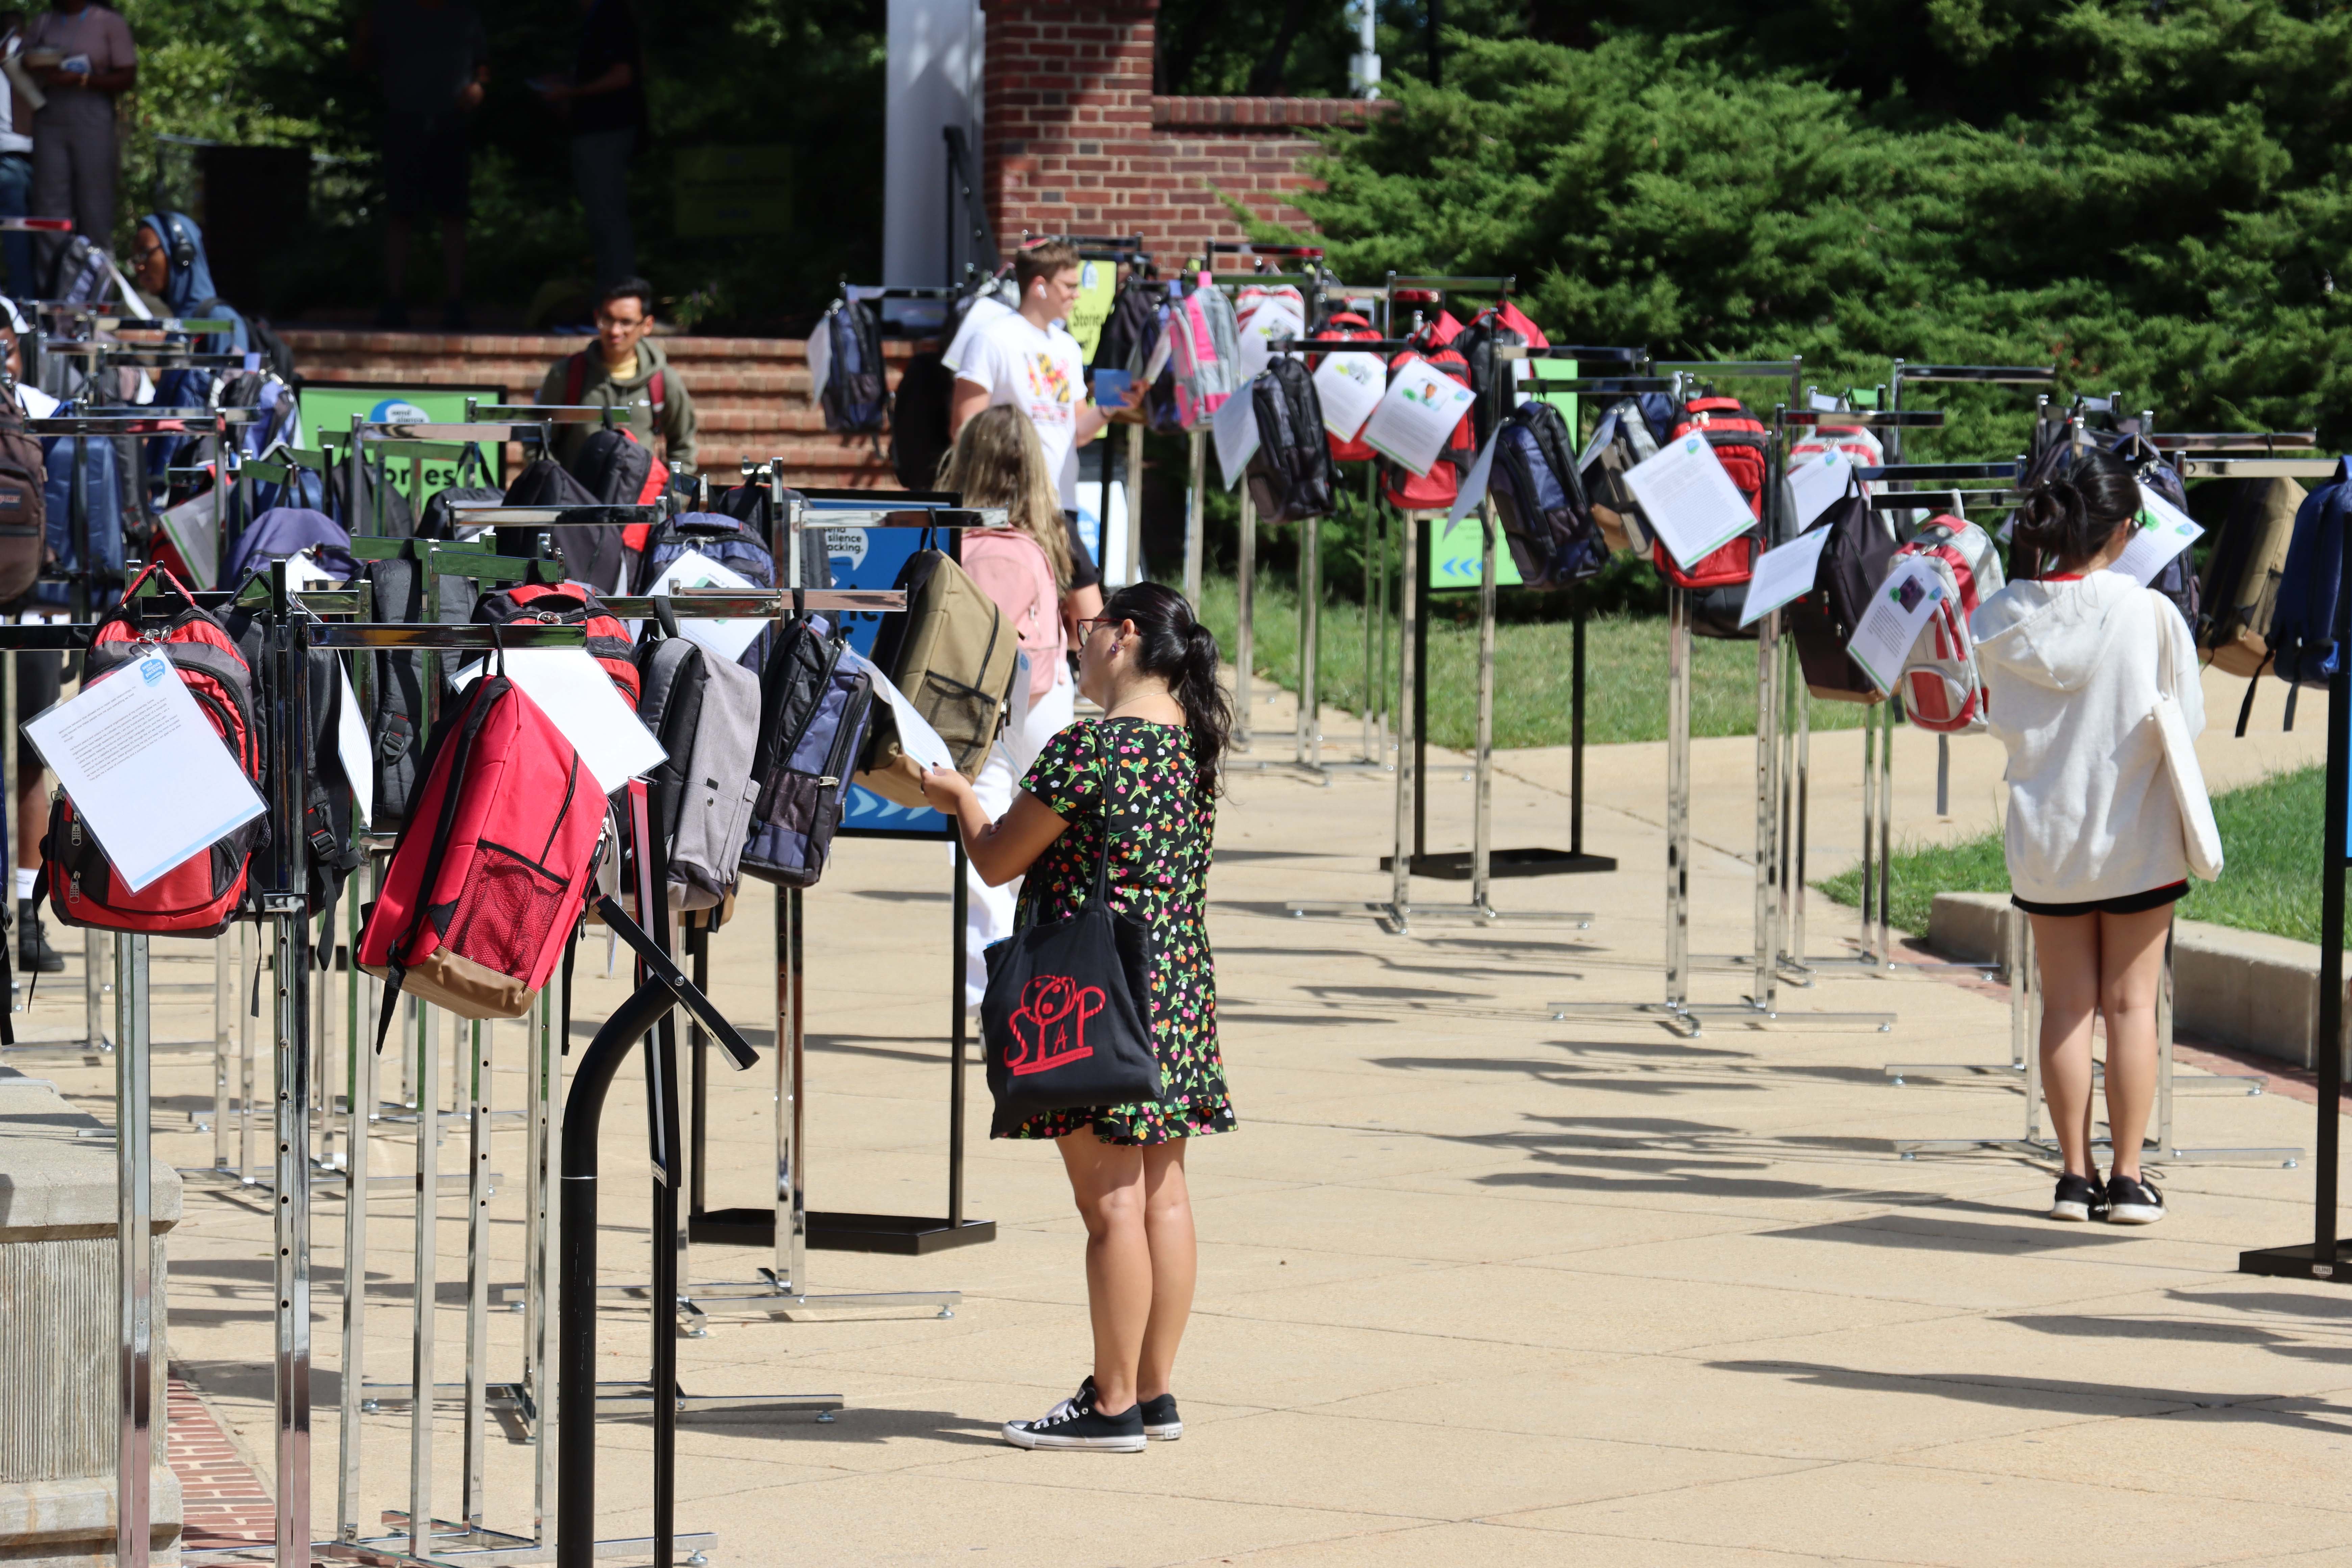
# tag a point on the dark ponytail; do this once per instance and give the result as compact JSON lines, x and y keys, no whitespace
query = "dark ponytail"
{"x":2068,"y":520}
{"x":1183,"y":652}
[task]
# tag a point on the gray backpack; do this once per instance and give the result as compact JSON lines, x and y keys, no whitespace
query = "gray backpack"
{"x":706,"y":712}
{"x":714,"y":811}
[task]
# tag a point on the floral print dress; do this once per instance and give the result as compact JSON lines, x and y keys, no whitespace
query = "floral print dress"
{"x":1159,"y":874}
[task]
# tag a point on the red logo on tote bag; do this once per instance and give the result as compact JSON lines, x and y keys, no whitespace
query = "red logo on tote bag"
{"x":1051,"y":1023}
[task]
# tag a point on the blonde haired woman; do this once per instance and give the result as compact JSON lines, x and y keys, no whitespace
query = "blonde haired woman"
{"x":997,"y":460}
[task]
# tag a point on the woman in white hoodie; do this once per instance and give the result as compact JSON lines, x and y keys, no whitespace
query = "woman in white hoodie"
{"x":2073,"y":664}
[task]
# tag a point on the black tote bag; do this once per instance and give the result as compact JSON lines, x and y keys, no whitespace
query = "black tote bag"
{"x":1066,"y":1019}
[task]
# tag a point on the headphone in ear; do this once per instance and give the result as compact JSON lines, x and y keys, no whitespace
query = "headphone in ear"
{"x":184,"y":245}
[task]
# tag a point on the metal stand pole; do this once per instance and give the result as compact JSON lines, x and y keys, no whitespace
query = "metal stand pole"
{"x":1135,"y":503}
{"x":135,"y":1257}
{"x":1196,"y":496}
{"x":1244,"y":620}
{"x":1308,"y":741}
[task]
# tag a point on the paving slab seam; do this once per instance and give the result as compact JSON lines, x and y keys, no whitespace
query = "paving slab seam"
{"x":1505,"y":1522}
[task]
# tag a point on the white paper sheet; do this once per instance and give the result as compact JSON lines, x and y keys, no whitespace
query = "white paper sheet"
{"x":1349,"y":387}
{"x":1417,"y":416}
{"x":2164,"y":531}
{"x":148,"y":774}
{"x":579,"y":699}
{"x":1783,"y":574}
{"x":1817,"y":481}
{"x":1899,"y":612}
{"x":1472,"y":488}
{"x":727,"y":638}
{"x":916,"y":736}
{"x":1234,"y":425}
{"x":354,"y":747}
{"x":1267,"y":324}
{"x":1688,"y":500}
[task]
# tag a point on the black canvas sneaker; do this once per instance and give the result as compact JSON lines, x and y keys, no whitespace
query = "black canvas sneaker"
{"x":2132,"y":1201}
{"x":2079,"y":1198}
{"x":1160,"y":1422}
{"x":1075,"y":1423}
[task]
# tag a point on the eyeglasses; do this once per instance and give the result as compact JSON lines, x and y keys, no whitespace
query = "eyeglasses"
{"x":1087,"y":628}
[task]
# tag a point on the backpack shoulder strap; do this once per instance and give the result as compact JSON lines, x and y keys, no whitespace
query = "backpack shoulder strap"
{"x":654,"y":389}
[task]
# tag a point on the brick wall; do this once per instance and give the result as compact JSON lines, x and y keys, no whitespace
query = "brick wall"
{"x":752,"y":395}
{"x":1076,"y":141}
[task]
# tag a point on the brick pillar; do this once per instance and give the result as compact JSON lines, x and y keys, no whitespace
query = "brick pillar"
{"x":1068,"y":93}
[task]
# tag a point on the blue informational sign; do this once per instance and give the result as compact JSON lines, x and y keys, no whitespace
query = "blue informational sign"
{"x":872,"y":558}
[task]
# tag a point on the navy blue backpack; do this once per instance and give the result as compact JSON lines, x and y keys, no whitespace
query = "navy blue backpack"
{"x":1540,"y":496}
{"x":2302,"y":645}
{"x":815,"y":705}
{"x":85,"y":483}
{"x":284,"y":531}
{"x":856,"y":396}
{"x":716,"y":537}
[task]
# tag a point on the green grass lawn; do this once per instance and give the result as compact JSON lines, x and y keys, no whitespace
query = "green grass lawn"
{"x":2270,"y":842}
{"x":1626,"y":671}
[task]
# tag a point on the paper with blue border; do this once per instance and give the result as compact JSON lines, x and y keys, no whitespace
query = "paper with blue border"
{"x":147,"y":773}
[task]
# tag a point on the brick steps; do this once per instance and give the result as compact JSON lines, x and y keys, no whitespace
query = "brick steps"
{"x":754,"y":395}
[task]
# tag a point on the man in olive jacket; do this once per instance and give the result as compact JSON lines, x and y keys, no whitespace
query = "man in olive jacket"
{"x":626,"y":370}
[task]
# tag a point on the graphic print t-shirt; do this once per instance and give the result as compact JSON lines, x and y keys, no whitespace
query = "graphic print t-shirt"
{"x":1042,"y":374}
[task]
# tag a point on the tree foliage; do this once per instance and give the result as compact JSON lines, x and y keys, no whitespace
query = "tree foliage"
{"x":2152,"y":198}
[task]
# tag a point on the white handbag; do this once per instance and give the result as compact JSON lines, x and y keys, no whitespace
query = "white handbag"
{"x":2200,"y":836}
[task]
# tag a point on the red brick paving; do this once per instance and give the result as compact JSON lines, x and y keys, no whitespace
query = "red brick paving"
{"x":227,"y":1505}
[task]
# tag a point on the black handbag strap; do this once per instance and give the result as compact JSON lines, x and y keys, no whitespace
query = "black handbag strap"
{"x":1109,"y":821}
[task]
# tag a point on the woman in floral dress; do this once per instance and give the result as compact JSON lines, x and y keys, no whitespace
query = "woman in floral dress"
{"x":1155,"y":752}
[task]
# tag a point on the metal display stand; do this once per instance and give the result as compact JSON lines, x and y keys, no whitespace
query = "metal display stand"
{"x":1763,"y":1004}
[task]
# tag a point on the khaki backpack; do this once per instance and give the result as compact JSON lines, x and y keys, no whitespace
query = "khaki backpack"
{"x":952,"y":653}
{"x":2241,"y":577}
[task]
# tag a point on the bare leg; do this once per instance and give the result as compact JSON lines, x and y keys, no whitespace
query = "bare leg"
{"x":452,"y":259}
{"x":2131,"y":969}
{"x":31,"y":810}
{"x":1106,"y":1179}
{"x":395,"y":259}
{"x":1168,"y":1228}
{"x":2069,"y":951}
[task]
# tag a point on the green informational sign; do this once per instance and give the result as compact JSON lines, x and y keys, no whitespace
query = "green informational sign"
{"x":328,"y":408}
{"x":1453,"y":555}
{"x":1454,"y":549}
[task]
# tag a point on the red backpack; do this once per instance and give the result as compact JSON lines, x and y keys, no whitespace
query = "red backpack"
{"x":1741,"y":444}
{"x":483,"y":892}
{"x":1436,"y":490}
{"x":568,"y":604}
{"x":1346,"y":325}
{"x":198,"y":897}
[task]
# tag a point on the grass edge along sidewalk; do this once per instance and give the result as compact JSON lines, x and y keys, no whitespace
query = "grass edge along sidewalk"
{"x":2270,"y":877}
{"x":1625,"y":670}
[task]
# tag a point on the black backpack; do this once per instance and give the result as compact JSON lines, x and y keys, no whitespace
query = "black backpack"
{"x":856,"y":396}
{"x":384,"y":511}
{"x":1855,"y":561}
{"x":326,"y":794}
{"x":396,"y":705}
{"x":613,"y":466}
{"x":597,"y":555}
{"x":1540,"y":496}
{"x":1476,"y":343}
{"x":1130,"y":329}
{"x":919,"y":421}
{"x":435,"y":521}
{"x":1290,"y":473}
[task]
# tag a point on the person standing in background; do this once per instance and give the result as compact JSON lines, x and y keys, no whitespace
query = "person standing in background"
{"x":15,"y":154}
{"x":627,"y":372}
{"x":606,"y":99}
{"x":81,"y":55}
{"x":432,"y":58}
{"x":40,"y":681}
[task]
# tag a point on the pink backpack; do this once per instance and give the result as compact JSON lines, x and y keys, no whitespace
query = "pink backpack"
{"x":1205,"y":342}
{"x":1011,"y":569}
{"x":1943,"y":689}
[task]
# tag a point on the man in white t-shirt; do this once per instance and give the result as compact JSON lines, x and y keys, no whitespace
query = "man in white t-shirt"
{"x":1028,"y":360}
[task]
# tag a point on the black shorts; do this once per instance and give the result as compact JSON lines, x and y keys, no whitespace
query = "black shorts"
{"x":425,"y":164}
{"x":2129,"y":904}
{"x":40,"y":680}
